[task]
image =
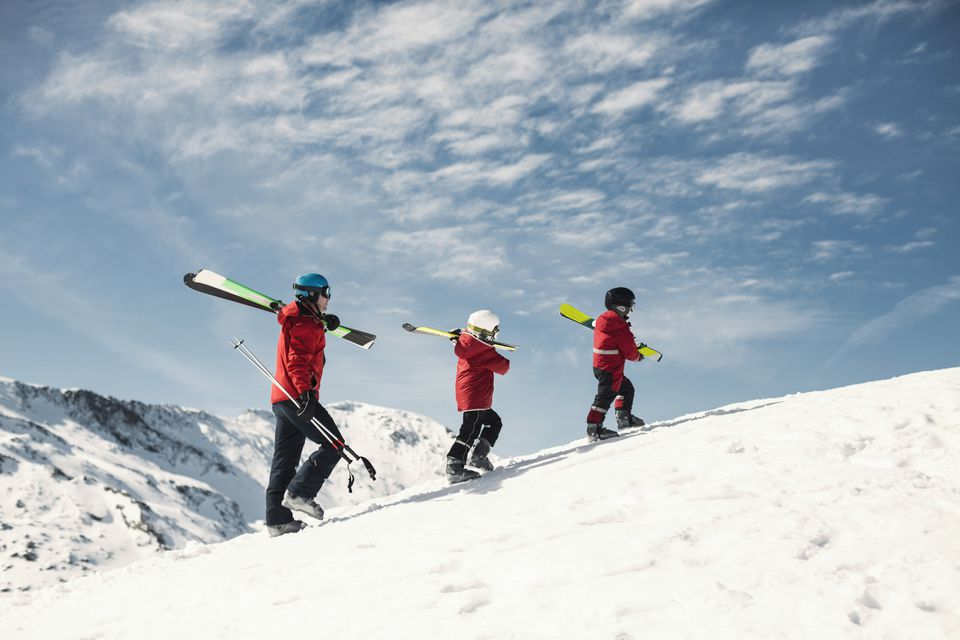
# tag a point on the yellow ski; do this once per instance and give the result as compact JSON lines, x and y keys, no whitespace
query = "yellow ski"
{"x":572,"y":313}
{"x":446,"y":334}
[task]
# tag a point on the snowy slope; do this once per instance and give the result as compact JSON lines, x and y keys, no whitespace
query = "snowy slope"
{"x":90,"y":483}
{"x":823,"y":515}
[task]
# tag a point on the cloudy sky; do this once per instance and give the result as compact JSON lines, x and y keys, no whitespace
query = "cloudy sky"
{"x":778,"y":183}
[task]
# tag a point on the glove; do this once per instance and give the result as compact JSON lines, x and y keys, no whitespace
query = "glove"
{"x":331,"y":321}
{"x":308,"y":401}
{"x":456,"y":334}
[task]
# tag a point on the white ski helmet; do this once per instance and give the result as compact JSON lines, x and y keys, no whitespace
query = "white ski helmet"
{"x":484,"y":324}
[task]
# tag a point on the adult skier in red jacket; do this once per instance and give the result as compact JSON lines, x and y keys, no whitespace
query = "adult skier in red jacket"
{"x":613,"y":345}
{"x":300,"y":361}
{"x":477,"y":362}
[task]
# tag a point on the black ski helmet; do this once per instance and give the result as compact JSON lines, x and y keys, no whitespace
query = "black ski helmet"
{"x":620,"y":299}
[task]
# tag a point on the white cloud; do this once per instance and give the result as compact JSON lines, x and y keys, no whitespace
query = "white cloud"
{"x":524,"y":64}
{"x":914,"y":245}
{"x":466,"y":174}
{"x":44,"y":155}
{"x":830,"y":250}
{"x":841,"y":275}
{"x":637,"y":95}
{"x":709,"y":100}
{"x":645,"y":9}
{"x":467,"y":252}
{"x":790,"y":59}
{"x":508,"y":174}
{"x":575,"y":199}
{"x":179,"y":25}
{"x":908,"y":311}
{"x":504,"y":111}
{"x":866,"y":206}
{"x":756,"y":108}
{"x":877,"y":12}
{"x":467,"y":144}
{"x":396,"y":30}
{"x":601,"y":52}
{"x":888,"y":129}
{"x":753,"y":173}
{"x":40,"y":35}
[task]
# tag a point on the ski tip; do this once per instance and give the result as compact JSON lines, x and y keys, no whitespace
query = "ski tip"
{"x":188,"y":277}
{"x":409,"y":327}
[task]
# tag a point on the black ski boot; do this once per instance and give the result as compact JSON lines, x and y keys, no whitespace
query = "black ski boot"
{"x":287,"y":527}
{"x":479,"y":457}
{"x":626,"y":420}
{"x":456,"y":472}
{"x":305,"y":505}
{"x":597,"y":432}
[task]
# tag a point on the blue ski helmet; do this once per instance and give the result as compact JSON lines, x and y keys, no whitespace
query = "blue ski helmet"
{"x":311,"y":286}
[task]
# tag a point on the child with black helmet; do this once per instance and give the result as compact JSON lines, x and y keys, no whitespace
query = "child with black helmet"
{"x":613,"y":345}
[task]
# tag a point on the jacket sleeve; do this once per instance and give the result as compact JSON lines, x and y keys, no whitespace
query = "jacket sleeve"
{"x":496,"y":363}
{"x":299,"y":364}
{"x":626,"y":343}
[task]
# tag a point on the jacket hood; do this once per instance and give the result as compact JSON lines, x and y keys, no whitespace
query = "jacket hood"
{"x":608,"y":320}
{"x":293,"y":310}
{"x":473,"y":345}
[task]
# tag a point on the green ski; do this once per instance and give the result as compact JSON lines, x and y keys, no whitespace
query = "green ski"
{"x":446,"y":334}
{"x":572,"y":313}
{"x":214,"y":284}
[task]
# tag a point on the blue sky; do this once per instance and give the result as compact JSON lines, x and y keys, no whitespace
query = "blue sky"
{"x":778,"y":182}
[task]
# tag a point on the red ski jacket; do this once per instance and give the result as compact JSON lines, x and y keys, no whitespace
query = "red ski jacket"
{"x":299,"y":352}
{"x":477,"y":363}
{"x":613,"y":345}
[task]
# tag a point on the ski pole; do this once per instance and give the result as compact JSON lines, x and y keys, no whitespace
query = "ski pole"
{"x":338,"y":445}
{"x":324,"y":431}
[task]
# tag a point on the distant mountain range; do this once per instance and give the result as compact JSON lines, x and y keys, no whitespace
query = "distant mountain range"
{"x":89,"y":482}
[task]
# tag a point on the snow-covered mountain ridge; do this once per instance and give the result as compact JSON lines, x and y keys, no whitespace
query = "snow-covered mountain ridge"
{"x":89,"y":482}
{"x":819,"y":515}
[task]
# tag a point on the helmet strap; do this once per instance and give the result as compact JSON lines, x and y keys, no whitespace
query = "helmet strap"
{"x":309,"y":303}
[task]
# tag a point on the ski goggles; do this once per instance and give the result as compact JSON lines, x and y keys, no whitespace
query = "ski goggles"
{"x":484,"y":334}
{"x":323,"y":291}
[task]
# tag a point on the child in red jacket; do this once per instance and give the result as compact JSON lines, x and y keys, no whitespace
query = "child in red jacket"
{"x":477,"y":363}
{"x":613,"y":345}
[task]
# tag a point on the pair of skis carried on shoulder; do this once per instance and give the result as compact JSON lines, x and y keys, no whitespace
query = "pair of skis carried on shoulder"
{"x":214,"y":284}
{"x":572,"y":313}
{"x":430,"y":331}
{"x":567,"y":311}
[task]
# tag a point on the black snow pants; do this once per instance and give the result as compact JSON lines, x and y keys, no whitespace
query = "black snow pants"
{"x":606,"y":393}
{"x":291,"y":434}
{"x":479,"y":423}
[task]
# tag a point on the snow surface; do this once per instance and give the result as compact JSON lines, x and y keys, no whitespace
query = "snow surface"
{"x":89,"y":483}
{"x":833,"y":514}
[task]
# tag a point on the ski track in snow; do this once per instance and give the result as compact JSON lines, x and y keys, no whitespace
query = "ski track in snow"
{"x":832,"y":514}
